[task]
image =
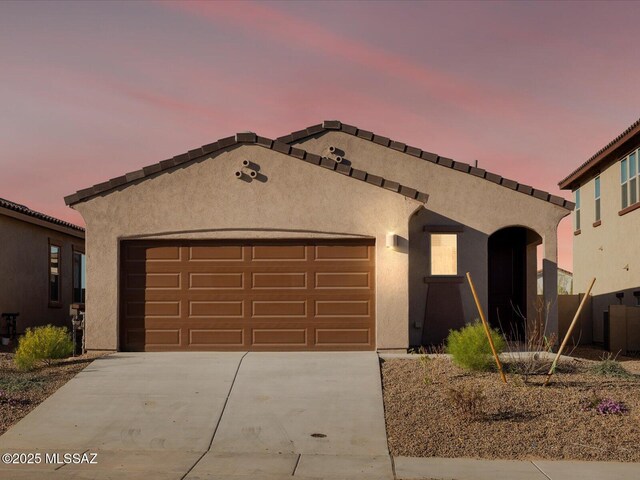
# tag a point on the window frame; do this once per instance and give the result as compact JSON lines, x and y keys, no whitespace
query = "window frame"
{"x":458,"y":230}
{"x":630,"y":184}
{"x":54,"y":303}
{"x":597,"y":194}
{"x":577,"y":219}
{"x":76,"y":250}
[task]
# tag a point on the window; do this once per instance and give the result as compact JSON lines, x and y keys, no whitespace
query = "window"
{"x":629,"y":179}
{"x":55,"y":296}
{"x":444,"y":254}
{"x":577,"y":194}
{"x":79,"y":279}
{"x":597,"y":198}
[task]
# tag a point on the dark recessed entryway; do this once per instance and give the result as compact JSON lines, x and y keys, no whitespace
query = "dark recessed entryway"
{"x":508,"y":252}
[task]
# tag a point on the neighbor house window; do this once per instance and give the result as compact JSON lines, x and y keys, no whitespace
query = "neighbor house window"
{"x":597,"y":198}
{"x":577,"y":209}
{"x":444,"y":254}
{"x":55,"y":296}
{"x":79,"y":282}
{"x":629,"y":179}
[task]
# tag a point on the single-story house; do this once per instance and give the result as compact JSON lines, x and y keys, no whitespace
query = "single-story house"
{"x":41,"y":267}
{"x":330,"y":238}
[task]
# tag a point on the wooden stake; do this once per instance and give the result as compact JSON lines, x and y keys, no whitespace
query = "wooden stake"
{"x":486,"y":328}
{"x":566,"y":337}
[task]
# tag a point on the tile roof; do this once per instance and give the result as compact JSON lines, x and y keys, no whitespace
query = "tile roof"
{"x":16,"y":207}
{"x":328,"y":125}
{"x":224,"y":144}
{"x":600,"y":155}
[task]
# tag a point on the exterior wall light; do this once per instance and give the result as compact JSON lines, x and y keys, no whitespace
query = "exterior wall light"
{"x":391,"y":240}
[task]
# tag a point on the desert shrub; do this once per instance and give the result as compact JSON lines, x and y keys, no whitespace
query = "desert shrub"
{"x":425,"y":365}
{"x":609,"y":367}
{"x":470,"y":349}
{"x":12,"y":400}
{"x":42,"y":344}
{"x":467,"y":400}
{"x":20,"y":383}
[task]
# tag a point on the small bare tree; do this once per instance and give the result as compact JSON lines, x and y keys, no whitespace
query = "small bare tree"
{"x":527,"y":351}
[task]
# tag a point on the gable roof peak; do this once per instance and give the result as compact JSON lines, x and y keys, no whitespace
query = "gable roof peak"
{"x":337,"y":125}
{"x":242,"y":138}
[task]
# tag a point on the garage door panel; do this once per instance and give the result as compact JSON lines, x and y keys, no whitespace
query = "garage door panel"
{"x":350,"y":253}
{"x":215,"y":281}
{"x":152,"y":281}
{"x":216,"y":309}
{"x":134,"y":337}
{"x":152,"y":309}
{"x":343,"y":336}
{"x":342,"y":308}
{"x":216,"y":337}
{"x":219,"y":253}
{"x":343,"y":280}
{"x":279,"y":337}
{"x":284,"y":280}
{"x":262,"y":253}
{"x":142,"y":253}
{"x":278,"y":308}
{"x":316,"y":295}
{"x":165,"y":336}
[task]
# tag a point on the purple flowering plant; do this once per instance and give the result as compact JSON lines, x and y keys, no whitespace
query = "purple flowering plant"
{"x":611,"y":407}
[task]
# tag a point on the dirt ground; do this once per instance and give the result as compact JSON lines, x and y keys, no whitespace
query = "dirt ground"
{"x":21,"y":392}
{"x":520,"y":420}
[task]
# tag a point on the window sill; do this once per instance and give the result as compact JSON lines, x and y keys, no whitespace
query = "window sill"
{"x":630,"y":208}
{"x":597,"y":224}
{"x":444,"y":279}
{"x":577,"y":232}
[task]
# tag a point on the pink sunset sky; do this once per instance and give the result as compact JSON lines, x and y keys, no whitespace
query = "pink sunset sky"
{"x":90,"y":91}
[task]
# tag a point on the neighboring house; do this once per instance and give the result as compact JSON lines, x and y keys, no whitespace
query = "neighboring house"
{"x":331,"y":238}
{"x":41,"y":266}
{"x":607,"y":224}
{"x":565,"y":282}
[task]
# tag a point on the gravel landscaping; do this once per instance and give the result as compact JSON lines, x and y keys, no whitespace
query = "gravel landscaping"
{"x":430,"y":412}
{"x":21,"y":392}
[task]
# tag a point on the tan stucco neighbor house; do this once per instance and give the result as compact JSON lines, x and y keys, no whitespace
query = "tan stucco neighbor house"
{"x":41,"y":267}
{"x":330,"y":238}
{"x":607,"y":226}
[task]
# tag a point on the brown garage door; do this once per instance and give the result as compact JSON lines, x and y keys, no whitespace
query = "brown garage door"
{"x":315,"y":295}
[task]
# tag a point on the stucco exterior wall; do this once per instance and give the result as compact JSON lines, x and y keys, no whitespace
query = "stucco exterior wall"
{"x":24,"y":272}
{"x":204,"y":200}
{"x":608,"y":252}
{"x":455,"y":198}
{"x":605,"y":251}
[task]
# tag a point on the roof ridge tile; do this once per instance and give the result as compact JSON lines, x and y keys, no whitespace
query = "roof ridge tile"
{"x":23,"y":209}
{"x":238,"y":140}
{"x":592,"y":159}
{"x":432,"y":157}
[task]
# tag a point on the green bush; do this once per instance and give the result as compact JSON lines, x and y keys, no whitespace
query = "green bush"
{"x":470,"y":348}
{"x":42,"y":344}
{"x":609,"y":367}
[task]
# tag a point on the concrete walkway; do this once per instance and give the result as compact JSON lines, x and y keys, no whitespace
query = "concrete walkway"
{"x":409,"y":468}
{"x":193,"y":416}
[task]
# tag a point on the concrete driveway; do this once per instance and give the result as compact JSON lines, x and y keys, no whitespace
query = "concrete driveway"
{"x":211,"y":415}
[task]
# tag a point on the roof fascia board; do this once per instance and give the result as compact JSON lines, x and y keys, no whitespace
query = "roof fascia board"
{"x":229,"y":143}
{"x":338,"y":126}
{"x":42,"y":223}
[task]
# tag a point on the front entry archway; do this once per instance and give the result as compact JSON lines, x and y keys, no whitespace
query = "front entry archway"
{"x":511,"y":268}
